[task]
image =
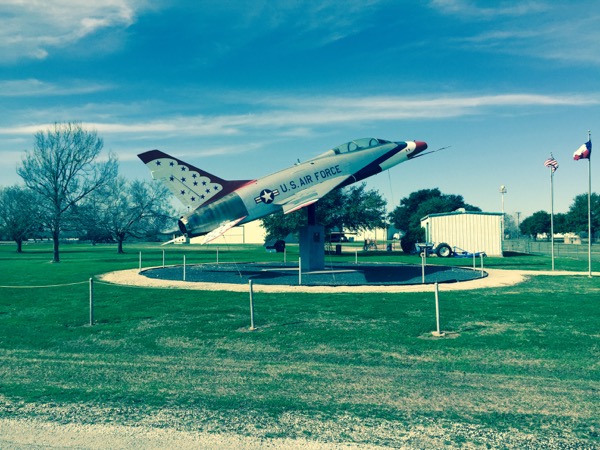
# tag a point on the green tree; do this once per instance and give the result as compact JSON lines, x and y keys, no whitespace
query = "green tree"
{"x":577,"y":216}
{"x":537,"y":223}
{"x":62,"y":170}
{"x":352,"y":209}
{"x":510,"y":227}
{"x":407,"y":216}
{"x":561,"y":224}
{"x":362,"y":210}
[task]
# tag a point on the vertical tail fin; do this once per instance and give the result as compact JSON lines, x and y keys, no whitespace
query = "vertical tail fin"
{"x":192,"y":186}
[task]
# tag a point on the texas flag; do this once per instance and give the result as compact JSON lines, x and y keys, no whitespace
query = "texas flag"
{"x":583,"y":152}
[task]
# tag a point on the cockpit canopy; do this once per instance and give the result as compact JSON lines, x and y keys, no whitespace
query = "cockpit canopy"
{"x":358,"y":144}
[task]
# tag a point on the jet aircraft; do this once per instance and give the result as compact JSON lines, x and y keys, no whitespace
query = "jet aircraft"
{"x":216,"y":204}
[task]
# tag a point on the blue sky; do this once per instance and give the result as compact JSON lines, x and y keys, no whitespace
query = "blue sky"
{"x":243,"y":89}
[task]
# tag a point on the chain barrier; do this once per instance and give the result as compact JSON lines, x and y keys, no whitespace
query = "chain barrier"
{"x":45,"y":286}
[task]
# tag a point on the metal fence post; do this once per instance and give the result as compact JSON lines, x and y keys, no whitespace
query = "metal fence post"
{"x":437,"y":307}
{"x":251,"y":307}
{"x":438,"y":332}
{"x":91,"y":302}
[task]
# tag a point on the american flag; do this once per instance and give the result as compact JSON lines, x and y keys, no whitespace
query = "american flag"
{"x":552,"y":163}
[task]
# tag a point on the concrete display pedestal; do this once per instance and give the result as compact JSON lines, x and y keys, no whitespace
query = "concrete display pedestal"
{"x":312,"y":247}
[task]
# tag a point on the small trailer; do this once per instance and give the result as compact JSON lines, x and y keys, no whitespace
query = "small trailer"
{"x":443,"y":250}
{"x":460,"y":253}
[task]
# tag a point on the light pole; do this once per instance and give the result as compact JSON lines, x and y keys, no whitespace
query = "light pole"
{"x":502,"y":192}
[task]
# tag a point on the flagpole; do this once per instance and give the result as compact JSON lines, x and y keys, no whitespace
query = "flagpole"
{"x":590,"y":209}
{"x":552,"y":213}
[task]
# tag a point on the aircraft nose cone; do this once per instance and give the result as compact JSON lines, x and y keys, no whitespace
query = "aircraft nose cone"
{"x":420,"y":146}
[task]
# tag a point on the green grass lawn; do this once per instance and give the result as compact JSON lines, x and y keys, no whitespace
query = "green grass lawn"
{"x":519,"y":367}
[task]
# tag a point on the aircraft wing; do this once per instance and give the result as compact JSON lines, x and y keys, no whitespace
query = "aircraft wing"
{"x":220,"y":230}
{"x":310,"y":195}
{"x":295,"y":206}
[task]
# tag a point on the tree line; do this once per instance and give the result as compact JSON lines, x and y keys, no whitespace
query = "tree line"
{"x":68,"y":188}
{"x":573,"y":221}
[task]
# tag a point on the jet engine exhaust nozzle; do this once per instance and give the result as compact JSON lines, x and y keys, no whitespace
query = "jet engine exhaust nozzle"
{"x":182,"y":227}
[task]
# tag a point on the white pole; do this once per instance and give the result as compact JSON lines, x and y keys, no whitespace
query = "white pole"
{"x":217,"y":255}
{"x":589,"y":210}
{"x":502,"y":192}
{"x":481,"y":257}
{"x":423,"y":267}
{"x":140,"y":269}
{"x":91,"y":302}
{"x":163,"y":259}
{"x":437,"y":307}
{"x":251,"y":308}
{"x":183,"y":267}
{"x":552,"y":213}
{"x":284,"y":255}
{"x":300,"y":270}
{"x":355,"y":256}
{"x":438,"y":332}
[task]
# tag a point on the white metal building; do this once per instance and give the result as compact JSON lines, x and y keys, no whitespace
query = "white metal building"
{"x":255,"y":233}
{"x":470,"y":231}
{"x":249,"y":233}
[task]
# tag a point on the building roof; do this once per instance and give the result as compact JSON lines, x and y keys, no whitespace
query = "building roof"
{"x":462,"y":213}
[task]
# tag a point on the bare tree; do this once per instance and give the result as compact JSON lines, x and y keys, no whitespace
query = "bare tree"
{"x":19,"y":214}
{"x":62,"y":169}
{"x":127,"y":209}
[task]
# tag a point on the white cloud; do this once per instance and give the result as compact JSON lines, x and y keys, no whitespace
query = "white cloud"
{"x":34,"y":87}
{"x":34,"y":28}
{"x":332,"y":110}
{"x":288,"y":115}
{"x":536,"y":29}
{"x":471,"y":8}
{"x":297,"y":23}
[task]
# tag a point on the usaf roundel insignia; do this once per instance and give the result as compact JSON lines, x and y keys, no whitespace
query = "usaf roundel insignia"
{"x":266,"y":196}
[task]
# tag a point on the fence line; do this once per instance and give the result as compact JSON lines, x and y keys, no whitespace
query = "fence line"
{"x":575,"y":251}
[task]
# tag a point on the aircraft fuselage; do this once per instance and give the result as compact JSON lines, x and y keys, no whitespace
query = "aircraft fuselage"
{"x":335,"y":168}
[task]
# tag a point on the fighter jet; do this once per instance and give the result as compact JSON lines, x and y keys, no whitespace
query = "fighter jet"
{"x":216,"y":204}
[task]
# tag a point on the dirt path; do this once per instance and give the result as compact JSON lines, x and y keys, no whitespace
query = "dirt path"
{"x":31,"y":435}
